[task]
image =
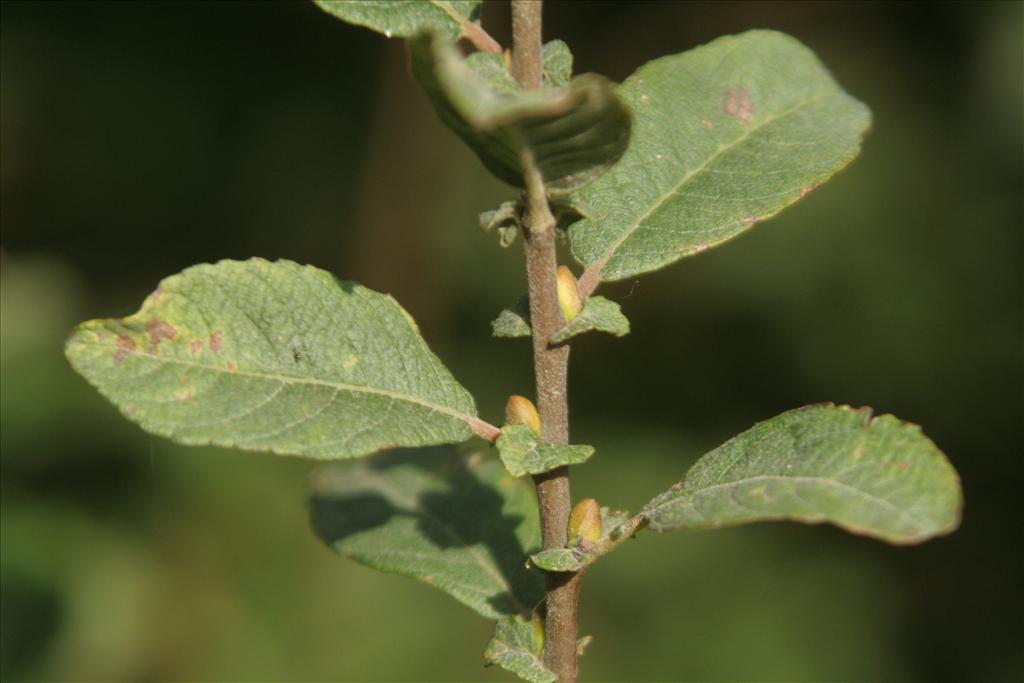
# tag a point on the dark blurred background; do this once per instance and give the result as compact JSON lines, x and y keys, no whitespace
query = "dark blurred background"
{"x":139,"y":138}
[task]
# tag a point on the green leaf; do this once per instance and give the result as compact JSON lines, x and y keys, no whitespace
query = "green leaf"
{"x":563,"y":559}
{"x":523,"y":452}
{"x":274,"y":357}
{"x":405,"y":18}
{"x":617,"y":526}
{"x":515,"y":649}
{"x":513,"y":322}
{"x":575,"y":133}
{"x":599,"y":314}
{"x":557,"y":64}
{"x":725,"y":135}
{"x":459,"y":523}
{"x":491,"y":67}
{"x":874,"y":477}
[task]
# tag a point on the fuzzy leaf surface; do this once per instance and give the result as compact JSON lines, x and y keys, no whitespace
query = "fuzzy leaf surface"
{"x":725,"y":135}
{"x":457,"y":522}
{"x":617,"y":526}
{"x":876,"y":477}
{"x":274,"y":357}
{"x":575,"y":133}
{"x":514,"y":648}
{"x":598,"y":313}
{"x":523,"y":452}
{"x":405,"y":18}
{"x":510,"y":324}
{"x":557,"y":64}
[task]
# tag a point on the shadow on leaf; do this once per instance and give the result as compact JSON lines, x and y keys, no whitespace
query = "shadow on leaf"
{"x":459,"y":523}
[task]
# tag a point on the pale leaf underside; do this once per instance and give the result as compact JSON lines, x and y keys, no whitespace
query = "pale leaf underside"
{"x":573,"y":133}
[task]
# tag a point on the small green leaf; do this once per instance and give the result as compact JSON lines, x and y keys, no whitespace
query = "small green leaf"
{"x":523,"y":452}
{"x":599,"y":314}
{"x":563,"y":559}
{"x":405,"y":18}
{"x":557,"y":64}
{"x":514,"y":648}
{"x":458,"y":523}
{"x":507,"y":213}
{"x":274,"y":357}
{"x":618,"y":526}
{"x":513,"y":322}
{"x":874,"y":477}
{"x":725,"y":135}
{"x":575,"y":133}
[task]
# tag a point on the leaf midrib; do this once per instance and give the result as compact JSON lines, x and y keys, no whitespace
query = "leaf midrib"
{"x":599,"y":264}
{"x":687,"y":497}
{"x":469,"y":419}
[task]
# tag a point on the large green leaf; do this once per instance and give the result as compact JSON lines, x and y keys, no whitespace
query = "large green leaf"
{"x":456,"y":522}
{"x":278,"y":357}
{"x":876,"y":477}
{"x":575,"y":133}
{"x":405,"y":18}
{"x":725,"y":135}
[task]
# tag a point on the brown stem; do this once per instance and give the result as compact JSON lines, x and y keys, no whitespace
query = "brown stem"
{"x":471,"y":31}
{"x":550,"y":364}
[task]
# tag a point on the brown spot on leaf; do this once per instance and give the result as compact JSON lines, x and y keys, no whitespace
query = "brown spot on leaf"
{"x":183,"y":395}
{"x":749,"y":221}
{"x":155,"y":295}
{"x":232,"y":365}
{"x":708,"y":123}
{"x":195,"y":346}
{"x":217,"y":340}
{"x":125,"y":345}
{"x":160,"y":330}
{"x":901,"y":465}
{"x":739,"y":105}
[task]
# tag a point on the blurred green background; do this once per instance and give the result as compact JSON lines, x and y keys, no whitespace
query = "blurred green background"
{"x":139,"y":138}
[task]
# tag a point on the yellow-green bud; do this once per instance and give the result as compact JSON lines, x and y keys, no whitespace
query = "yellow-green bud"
{"x":538,"y":631}
{"x":568,"y":293}
{"x":585,"y":522}
{"x":520,"y":411}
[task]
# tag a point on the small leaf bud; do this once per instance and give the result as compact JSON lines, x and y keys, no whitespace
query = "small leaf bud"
{"x":520,"y":411}
{"x":585,"y":522}
{"x":568,"y":293}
